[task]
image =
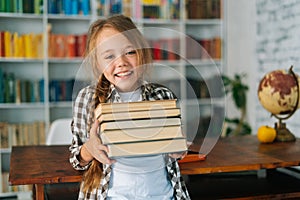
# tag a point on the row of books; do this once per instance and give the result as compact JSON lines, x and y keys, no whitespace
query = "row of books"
{"x":13,"y":134}
{"x":168,"y":49}
{"x":112,"y":7}
{"x":13,"y":44}
{"x":22,"y":6}
{"x":141,"y":128}
{"x":69,"y":7}
{"x":203,"y":9}
{"x":210,"y":87}
{"x":15,"y":90}
{"x":165,"y":49}
{"x":5,"y":187}
{"x":30,"y":45}
{"x":66,"y":45}
{"x":154,"y":9}
{"x":209,"y":48}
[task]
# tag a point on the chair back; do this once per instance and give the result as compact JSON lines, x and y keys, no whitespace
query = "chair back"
{"x":60,"y":132}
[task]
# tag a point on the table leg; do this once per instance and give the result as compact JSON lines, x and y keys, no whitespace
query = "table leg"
{"x":39,"y":192}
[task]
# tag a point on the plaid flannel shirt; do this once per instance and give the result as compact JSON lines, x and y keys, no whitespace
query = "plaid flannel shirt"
{"x":83,"y":117}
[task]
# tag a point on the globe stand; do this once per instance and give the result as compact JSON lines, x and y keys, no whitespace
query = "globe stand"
{"x":283,"y":134}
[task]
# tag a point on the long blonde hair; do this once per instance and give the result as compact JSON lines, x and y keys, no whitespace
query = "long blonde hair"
{"x":125,"y":25}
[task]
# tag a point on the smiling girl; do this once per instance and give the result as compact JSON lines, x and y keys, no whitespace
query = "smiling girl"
{"x":120,"y":56}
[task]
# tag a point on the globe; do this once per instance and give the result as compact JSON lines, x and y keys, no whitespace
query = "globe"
{"x":278,"y":93}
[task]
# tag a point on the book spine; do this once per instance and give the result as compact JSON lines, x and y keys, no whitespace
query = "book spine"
{"x":85,"y":7}
{"x":28,"y":6}
{"x":67,"y":7}
{"x":10,"y":88}
{"x":1,"y":86}
{"x":20,"y":6}
{"x":74,"y":7}
{"x":2,"y":6}
{"x":115,"y":7}
{"x":41,"y":90}
{"x":52,"y":7}
{"x":2,"y":40}
{"x":7,"y":44}
{"x":38,"y":7}
{"x":18,"y":91}
{"x":8,"y":5}
{"x":71,"y":46}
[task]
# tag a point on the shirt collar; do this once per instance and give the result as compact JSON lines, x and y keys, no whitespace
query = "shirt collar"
{"x":114,"y":96}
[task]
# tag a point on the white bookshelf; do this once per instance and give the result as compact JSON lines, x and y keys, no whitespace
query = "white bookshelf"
{"x":62,"y":68}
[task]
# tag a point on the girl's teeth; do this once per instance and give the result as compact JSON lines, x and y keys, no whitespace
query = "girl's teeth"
{"x":123,"y":74}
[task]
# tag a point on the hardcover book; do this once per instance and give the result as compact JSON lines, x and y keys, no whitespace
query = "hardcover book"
{"x":141,"y":128}
{"x":147,"y":148}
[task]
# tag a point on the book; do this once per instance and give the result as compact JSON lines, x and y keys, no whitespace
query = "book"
{"x":2,"y":86}
{"x":7,"y":44}
{"x":80,"y":44}
{"x":127,"y":124}
{"x":135,"y":106}
{"x":147,"y":148}
{"x":141,"y":128}
{"x":70,"y":47}
{"x":140,"y":134}
{"x":146,"y":114}
{"x":2,"y":49}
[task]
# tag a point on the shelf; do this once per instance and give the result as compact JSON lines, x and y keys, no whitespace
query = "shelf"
{"x":69,"y":17}
{"x":65,"y":60}
{"x":52,"y":68}
{"x":20,"y":15}
{"x":6,"y":150}
{"x":203,"y":22}
{"x":21,"y":60}
{"x":22,"y":105}
{"x":158,"y":21}
{"x":202,"y":62}
{"x":61,"y":104}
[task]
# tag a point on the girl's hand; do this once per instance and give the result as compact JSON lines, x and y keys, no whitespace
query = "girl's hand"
{"x":178,"y":155}
{"x":94,"y":148}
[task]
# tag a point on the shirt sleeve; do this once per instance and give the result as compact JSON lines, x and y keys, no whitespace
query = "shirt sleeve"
{"x":79,"y":127}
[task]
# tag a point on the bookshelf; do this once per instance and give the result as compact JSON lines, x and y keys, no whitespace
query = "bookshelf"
{"x":42,"y":69}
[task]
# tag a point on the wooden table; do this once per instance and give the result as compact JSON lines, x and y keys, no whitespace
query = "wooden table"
{"x":41,"y":165}
{"x":243,"y":153}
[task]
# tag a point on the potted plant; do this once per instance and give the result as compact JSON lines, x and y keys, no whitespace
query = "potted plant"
{"x":238,"y":90}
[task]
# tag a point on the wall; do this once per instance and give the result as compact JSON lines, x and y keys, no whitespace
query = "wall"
{"x":262,"y":36}
{"x":241,"y":50}
{"x":278,"y":47}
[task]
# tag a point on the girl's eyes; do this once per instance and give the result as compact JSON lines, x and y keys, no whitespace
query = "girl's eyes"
{"x":108,"y":57}
{"x":112,"y":56}
{"x":132,"y":52}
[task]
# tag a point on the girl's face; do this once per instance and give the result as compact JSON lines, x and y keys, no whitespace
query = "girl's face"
{"x":117,"y":59}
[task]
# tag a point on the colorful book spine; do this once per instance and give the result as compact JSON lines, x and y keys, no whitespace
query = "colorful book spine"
{"x":2,"y":6}
{"x":74,"y":7}
{"x":1,"y":86}
{"x":85,"y":7}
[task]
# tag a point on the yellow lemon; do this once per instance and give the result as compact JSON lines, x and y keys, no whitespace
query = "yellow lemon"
{"x":266,"y":134}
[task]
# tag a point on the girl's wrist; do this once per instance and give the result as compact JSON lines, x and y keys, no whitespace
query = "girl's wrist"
{"x":84,"y":156}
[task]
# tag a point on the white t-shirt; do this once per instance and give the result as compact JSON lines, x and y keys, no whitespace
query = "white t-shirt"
{"x":143,"y":177}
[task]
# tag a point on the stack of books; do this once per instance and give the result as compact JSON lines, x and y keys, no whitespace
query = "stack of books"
{"x":141,"y":128}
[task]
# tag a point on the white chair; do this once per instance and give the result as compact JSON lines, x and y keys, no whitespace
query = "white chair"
{"x":60,"y":132}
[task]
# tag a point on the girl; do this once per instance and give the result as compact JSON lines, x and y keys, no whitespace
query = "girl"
{"x":118,"y":53}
